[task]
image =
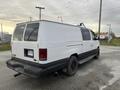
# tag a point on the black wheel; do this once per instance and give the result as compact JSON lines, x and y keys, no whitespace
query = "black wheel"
{"x":72,"y":66}
{"x":98,"y":54}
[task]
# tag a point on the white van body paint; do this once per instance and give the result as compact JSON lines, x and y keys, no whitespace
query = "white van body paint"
{"x":61,"y":41}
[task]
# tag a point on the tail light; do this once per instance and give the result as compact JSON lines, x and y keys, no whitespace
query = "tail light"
{"x":42,"y":54}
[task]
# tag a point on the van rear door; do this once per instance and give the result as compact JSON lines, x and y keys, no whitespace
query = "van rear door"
{"x":24,"y":42}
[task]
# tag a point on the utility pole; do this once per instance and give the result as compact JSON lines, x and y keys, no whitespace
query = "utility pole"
{"x":109,"y":33}
{"x":40,"y":9}
{"x":30,"y":18}
{"x":60,"y":18}
{"x":2,"y":33}
{"x":100,"y":14}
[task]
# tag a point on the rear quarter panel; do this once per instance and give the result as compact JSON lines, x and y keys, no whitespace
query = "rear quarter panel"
{"x":60,"y":40}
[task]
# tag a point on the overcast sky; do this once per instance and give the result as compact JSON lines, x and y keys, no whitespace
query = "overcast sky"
{"x":72,"y":11}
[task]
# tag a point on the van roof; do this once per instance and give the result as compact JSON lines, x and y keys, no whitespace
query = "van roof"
{"x":37,"y":21}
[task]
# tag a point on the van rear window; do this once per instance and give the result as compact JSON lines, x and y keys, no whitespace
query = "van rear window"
{"x":18,"y":33}
{"x":31,"y":32}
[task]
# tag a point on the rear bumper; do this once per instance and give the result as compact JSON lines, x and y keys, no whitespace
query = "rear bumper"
{"x":34,"y":69}
{"x":24,"y":68}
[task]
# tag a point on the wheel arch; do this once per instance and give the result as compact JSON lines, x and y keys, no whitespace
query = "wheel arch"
{"x":75,"y":54}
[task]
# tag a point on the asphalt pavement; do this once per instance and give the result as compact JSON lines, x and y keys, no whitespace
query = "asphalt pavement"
{"x":101,"y":74}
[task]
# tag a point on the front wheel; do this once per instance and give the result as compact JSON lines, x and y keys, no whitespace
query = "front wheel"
{"x":98,"y":54}
{"x":72,"y":66}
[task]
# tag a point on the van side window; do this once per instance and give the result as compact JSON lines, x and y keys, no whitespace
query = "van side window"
{"x":18,"y":33}
{"x":31,"y":33}
{"x":85,"y":34}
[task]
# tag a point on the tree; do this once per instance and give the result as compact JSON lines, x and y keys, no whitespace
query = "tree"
{"x":113,"y":34}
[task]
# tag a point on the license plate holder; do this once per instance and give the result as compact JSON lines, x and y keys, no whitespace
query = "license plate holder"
{"x":29,"y":53}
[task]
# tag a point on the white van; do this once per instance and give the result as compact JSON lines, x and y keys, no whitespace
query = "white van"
{"x":47,"y":46}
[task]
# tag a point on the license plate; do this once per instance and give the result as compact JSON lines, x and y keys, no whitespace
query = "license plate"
{"x":30,"y":53}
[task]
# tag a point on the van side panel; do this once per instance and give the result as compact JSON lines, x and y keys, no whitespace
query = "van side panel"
{"x":60,"y":40}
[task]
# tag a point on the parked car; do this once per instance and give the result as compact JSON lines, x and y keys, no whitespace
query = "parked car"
{"x":46,"y":46}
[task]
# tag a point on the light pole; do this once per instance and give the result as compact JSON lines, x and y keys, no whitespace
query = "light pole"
{"x":2,"y":34}
{"x":100,"y":14}
{"x":109,"y":32}
{"x":40,"y":8}
{"x":30,"y":18}
{"x":60,"y":18}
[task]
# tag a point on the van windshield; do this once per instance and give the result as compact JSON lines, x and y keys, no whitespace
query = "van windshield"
{"x":31,"y":32}
{"x":18,"y":33}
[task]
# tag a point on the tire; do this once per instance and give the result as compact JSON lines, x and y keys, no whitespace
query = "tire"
{"x":72,"y":66}
{"x":98,"y":54}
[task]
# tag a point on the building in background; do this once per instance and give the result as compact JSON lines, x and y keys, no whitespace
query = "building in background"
{"x":118,"y":35}
{"x":104,"y":35}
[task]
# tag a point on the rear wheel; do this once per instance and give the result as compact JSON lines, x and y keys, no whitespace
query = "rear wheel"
{"x":72,"y":66}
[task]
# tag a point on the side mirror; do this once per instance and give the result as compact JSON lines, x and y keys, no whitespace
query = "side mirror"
{"x":96,"y":38}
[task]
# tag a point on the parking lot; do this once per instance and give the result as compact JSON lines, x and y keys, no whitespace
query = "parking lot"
{"x":102,"y":74}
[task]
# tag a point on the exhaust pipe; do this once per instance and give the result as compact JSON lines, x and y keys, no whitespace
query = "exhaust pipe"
{"x":18,"y":74}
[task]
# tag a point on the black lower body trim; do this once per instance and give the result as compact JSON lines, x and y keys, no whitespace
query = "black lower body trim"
{"x":88,"y":54}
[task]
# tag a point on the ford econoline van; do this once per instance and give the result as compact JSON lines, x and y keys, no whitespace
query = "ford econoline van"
{"x":47,"y":46}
